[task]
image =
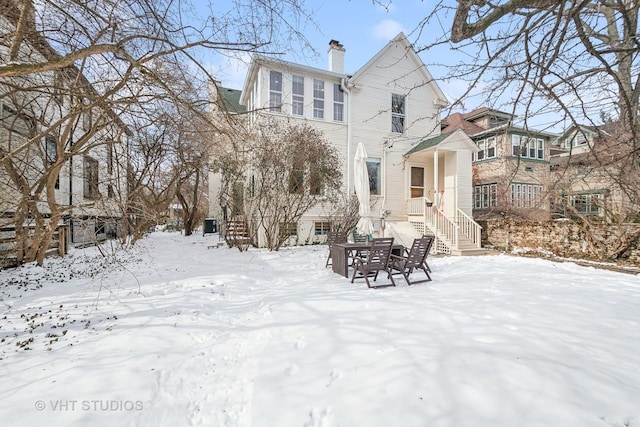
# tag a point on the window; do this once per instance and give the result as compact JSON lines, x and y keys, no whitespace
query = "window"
{"x":322,"y":228}
{"x":515,"y":145}
{"x":316,"y":187}
{"x":485,"y":196}
{"x":540,"y":153}
{"x":275,"y":91}
{"x":288,"y":229}
{"x":588,"y":204}
{"x":297,"y":97}
{"x":296,"y":176}
{"x":530,"y":148}
{"x":491,"y":148}
{"x":497,"y":121}
{"x":51,"y":153}
{"x":487,"y":149}
{"x":397,"y":113}
{"x":480,"y":154}
{"x":526,"y":195}
{"x":318,"y":99}
{"x":375,"y":176}
{"x":99,"y":227}
{"x":417,"y":182}
{"x":90,"y":178}
{"x":338,"y":103}
{"x":17,"y":123}
{"x":51,"y":148}
{"x":576,"y":140}
{"x":87,"y":118}
{"x":110,"y":158}
{"x":58,"y":88}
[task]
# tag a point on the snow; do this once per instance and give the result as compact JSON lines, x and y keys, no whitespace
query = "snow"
{"x":172,"y":333}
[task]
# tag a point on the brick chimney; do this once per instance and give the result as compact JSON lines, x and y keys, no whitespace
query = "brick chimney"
{"x":336,"y":57}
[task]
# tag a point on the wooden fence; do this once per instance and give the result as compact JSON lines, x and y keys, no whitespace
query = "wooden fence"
{"x":59,"y":244}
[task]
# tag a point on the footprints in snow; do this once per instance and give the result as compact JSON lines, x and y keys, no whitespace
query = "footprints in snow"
{"x":300,"y":344}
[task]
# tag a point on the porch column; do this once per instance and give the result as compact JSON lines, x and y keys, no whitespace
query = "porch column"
{"x":436,"y":185}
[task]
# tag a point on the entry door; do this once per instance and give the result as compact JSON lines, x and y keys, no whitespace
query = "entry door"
{"x":417,"y":181}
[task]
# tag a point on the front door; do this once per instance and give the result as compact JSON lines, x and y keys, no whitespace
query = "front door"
{"x":417,"y":181}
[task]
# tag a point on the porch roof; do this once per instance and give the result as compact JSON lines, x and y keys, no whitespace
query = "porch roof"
{"x":428,"y":143}
{"x":455,"y":140}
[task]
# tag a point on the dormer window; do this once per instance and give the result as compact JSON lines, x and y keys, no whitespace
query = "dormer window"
{"x":397,"y":113}
{"x":576,"y":140}
{"x":497,"y":121}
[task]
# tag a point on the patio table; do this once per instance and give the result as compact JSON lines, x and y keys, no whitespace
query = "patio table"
{"x":340,"y":255}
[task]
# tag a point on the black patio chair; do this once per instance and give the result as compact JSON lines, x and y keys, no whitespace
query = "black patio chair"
{"x":377,"y":260}
{"x":332,"y":238}
{"x":415,"y":259}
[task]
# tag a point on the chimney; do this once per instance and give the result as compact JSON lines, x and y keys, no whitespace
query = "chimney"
{"x":336,"y":57}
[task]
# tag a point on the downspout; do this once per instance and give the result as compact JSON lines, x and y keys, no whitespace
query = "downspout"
{"x":383,"y":211}
{"x":343,"y":84}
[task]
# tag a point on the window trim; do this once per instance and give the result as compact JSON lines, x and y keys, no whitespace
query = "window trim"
{"x":525,"y":195}
{"x":375,"y":180}
{"x":485,"y":196}
{"x":338,"y":103}
{"x":275,"y":91}
{"x":318,"y":98}
{"x":528,"y":147}
{"x":321,"y":228}
{"x":591,"y":209}
{"x":297,"y":97}
{"x":398,"y":115}
{"x":90,"y":183}
{"x":290,"y":228}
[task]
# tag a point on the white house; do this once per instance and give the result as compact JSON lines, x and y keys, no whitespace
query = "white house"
{"x":56,"y":118}
{"x":420,"y":179}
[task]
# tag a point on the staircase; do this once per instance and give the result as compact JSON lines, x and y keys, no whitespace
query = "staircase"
{"x":236,"y":233}
{"x":455,"y":236}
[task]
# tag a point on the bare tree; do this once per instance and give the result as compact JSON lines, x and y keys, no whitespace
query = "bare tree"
{"x":286,"y":169}
{"x":111,"y":59}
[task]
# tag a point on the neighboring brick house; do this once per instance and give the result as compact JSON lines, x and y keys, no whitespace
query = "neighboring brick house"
{"x":420,"y":178}
{"x":590,"y":176}
{"x":511,"y":169}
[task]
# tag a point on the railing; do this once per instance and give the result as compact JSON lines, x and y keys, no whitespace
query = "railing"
{"x":445,"y":228}
{"x":469,"y":228}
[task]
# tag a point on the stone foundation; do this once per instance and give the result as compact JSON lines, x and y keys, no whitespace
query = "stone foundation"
{"x":563,"y":238}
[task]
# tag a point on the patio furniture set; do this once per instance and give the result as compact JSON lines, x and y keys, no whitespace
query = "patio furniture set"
{"x":367,"y":258}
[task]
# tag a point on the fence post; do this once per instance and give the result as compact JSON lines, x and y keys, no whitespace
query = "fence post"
{"x":63,"y":240}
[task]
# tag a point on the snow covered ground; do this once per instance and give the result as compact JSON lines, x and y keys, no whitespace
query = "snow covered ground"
{"x":175,"y":334}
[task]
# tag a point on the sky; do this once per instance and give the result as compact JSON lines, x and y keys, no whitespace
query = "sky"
{"x":364,"y":28}
{"x":177,"y":331}
{"x":360,"y":26}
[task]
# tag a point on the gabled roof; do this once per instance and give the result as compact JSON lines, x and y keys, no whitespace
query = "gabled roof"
{"x":401,"y":39}
{"x":587,"y":130}
{"x":441,"y":139}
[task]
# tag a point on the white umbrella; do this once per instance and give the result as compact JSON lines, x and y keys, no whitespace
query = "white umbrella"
{"x":361,"y":185}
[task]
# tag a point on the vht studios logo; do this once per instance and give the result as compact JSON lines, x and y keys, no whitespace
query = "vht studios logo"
{"x":89,"y":405}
